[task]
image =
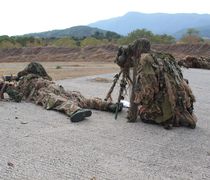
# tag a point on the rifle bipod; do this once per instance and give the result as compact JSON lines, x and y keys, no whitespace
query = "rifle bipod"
{"x":116,"y":78}
{"x":123,"y":84}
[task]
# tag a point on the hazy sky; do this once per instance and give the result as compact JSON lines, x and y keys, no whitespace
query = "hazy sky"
{"x":26,"y":16}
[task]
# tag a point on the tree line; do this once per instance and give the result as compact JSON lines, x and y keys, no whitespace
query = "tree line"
{"x":98,"y":38}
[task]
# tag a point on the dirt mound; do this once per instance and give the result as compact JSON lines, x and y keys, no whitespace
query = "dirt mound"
{"x":97,"y":53}
{"x":105,"y":53}
{"x":182,"y":50}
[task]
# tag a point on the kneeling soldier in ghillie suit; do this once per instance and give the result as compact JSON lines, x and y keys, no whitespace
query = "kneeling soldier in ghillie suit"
{"x":160,"y":93}
{"x":36,"y":86}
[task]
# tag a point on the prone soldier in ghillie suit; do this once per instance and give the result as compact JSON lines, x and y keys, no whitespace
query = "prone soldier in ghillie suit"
{"x":160,"y":94}
{"x":35,"y":85}
{"x":195,"y":62}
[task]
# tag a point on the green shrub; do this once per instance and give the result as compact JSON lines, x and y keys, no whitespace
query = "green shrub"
{"x":58,"y":67}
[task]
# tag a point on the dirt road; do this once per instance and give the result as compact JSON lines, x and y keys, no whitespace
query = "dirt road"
{"x":63,"y":70}
{"x":38,"y":144}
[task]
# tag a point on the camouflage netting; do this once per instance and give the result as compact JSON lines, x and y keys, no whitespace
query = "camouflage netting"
{"x":34,"y":68}
{"x":194,"y":62}
{"x":164,"y":94}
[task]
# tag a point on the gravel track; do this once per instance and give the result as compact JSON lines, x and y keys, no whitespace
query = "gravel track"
{"x":38,"y":144}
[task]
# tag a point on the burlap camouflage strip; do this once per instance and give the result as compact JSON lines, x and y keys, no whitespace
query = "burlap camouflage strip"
{"x":163,"y":93}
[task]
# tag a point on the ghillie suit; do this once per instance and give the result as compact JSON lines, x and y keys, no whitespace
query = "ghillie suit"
{"x":160,"y":93}
{"x":36,"y":86}
{"x":163,"y":95}
{"x":34,"y":68}
{"x":195,"y":62}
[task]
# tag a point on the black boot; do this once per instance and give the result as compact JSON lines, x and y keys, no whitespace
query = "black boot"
{"x":168,"y":126}
{"x":148,"y":121}
{"x":80,"y":115}
{"x":113,"y":107}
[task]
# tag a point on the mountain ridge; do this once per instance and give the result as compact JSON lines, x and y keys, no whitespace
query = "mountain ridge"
{"x":158,"y":23}
{"x":75,"y":31}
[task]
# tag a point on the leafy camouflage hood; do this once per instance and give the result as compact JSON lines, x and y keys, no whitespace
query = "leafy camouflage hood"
{"x":34,"y":68}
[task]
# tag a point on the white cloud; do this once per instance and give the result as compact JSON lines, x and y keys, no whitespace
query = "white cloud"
{"x":25,"y":16}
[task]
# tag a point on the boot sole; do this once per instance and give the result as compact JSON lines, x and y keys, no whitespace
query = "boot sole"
{"x":80,"y":116}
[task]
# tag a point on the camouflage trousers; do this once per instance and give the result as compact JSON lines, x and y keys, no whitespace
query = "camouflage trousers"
{"x":54,"y":97}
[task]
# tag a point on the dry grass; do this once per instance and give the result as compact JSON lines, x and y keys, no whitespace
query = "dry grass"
{"x":66,"y":70}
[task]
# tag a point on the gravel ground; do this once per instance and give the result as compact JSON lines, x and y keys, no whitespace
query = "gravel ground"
{"x":38,"y":144}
